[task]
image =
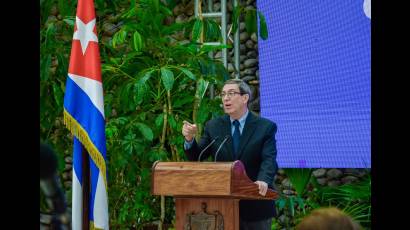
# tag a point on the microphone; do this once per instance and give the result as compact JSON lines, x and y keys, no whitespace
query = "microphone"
{"x":51,"y":186}
{"x":209,"y":145}
{"x":220,"y":146}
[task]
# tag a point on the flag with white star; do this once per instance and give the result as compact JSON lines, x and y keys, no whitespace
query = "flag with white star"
{"x":84,"y":117}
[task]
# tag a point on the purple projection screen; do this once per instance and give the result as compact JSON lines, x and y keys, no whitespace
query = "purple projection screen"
{"x":315,"y":81}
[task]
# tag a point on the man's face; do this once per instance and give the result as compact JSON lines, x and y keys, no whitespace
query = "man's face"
{"x":234,"y":105}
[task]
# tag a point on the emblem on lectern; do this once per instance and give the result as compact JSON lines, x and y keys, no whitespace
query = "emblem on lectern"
{"x":204,"y":220}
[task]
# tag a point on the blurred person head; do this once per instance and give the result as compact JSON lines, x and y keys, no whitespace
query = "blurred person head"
{"x":328,"y":219}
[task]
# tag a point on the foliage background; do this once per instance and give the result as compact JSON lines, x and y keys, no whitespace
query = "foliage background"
{"x":152,"y":82}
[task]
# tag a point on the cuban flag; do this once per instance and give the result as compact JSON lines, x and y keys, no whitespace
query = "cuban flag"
{"x":84,"y":117}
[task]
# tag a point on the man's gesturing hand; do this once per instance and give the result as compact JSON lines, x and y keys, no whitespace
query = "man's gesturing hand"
{"x":189,"y":130}
{"x":263,"y":187}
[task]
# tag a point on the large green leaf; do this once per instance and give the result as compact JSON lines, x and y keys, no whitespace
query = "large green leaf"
{"x":292,"y":205}
{"x":146,"y":76}
{"x":132,"y":12}
{"x":212,"y":31}
{"x":301,"y":203}
{"x":281,"y":203}
{"x":236,"y":12}
{"x":137,"y":41}
{"x":172,"y":122}
{"x":119,"y":38}
{"x":262,"y":26}
{"x":140,"y":92}
{"x":145,"y":130}
{"x":120,"y":120}
{"x":140,"y":87}
{"x":250,"y":21}
{"x":159,"y":121}
{"x":202,"y":87}
{"x":196,"y":30}
{"x":167,"y":78}
{"x":188,"y":73}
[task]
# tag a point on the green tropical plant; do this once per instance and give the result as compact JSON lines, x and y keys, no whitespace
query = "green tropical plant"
{"x":251,"y":18}
{"x":152,"y":82}
{"x":299,"y":178}
{"x":155,"y":82}
{"x":294,"y":205}
{"x":353,"y":199}
{"x":275,"y":225}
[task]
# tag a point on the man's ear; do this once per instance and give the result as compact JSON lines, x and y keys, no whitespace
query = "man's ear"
{"x":246,"y":98}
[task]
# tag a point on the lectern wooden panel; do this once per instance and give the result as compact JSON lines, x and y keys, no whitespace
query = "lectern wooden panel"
{"x":191,"y":178}
{"x":227,"y":208}
{"x":207,"y":193}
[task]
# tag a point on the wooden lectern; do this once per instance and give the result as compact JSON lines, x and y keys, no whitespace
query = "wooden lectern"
{"x":206,"y":194}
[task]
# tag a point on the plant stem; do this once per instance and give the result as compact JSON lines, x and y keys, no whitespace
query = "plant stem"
{"x":162,"y":213}
{"x":197,"y":103}
{"x":164,"y":130}
{"x":164,"y":127}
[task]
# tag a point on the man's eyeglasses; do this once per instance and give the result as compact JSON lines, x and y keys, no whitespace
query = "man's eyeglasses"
{"x":230,"y":94}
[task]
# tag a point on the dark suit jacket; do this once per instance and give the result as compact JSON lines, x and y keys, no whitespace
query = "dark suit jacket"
{"x":257,"y":151}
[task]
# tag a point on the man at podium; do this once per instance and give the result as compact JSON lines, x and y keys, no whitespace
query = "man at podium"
{"x":240,"y":135}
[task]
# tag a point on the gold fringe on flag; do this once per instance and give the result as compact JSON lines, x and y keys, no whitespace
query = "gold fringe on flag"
{"x":78,"y":131}
{"x":92,"y":227}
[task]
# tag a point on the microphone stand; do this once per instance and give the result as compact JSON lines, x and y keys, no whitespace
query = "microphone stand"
{"x":209,"y":145}
{"x":220,"y":146}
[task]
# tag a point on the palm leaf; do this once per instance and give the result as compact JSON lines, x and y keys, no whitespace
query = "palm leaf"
{"x":299,"y":177}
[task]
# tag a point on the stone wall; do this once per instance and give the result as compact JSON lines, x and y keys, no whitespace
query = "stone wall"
{"x":327,"y":177}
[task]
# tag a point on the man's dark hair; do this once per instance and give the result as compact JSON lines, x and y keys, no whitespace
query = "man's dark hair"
{"x":243,"y":87}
